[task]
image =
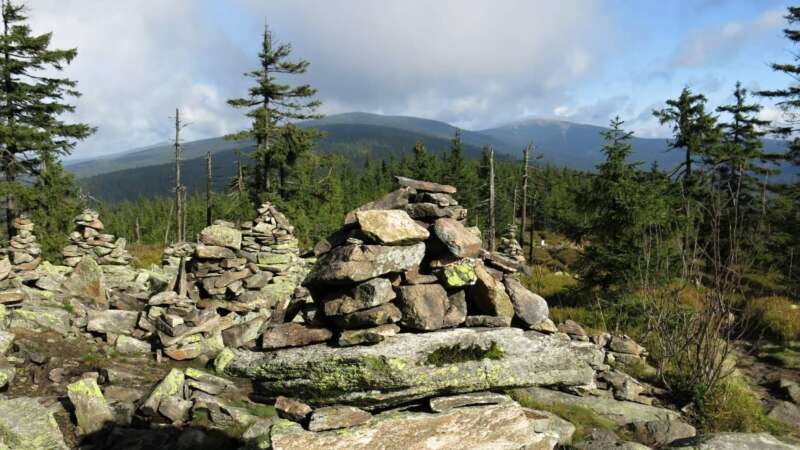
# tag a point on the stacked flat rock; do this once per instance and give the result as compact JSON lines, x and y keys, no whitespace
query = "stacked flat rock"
{"x":23,"y":253}
{"x":269,"y":240}
{"x":171,"y":257}
{"x":88,"y":239}
{"x":509,"y":245}
{"x":407,"y":262}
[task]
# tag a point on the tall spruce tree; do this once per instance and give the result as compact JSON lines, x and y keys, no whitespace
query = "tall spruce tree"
{"x":32,"y":101}
{"x":271,"y":105}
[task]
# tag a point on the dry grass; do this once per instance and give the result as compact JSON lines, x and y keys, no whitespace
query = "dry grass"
{"x":145,"y":254}
{"x":774,"y":317}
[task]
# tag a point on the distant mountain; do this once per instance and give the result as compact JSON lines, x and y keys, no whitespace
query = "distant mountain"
{"x":149,"y":171}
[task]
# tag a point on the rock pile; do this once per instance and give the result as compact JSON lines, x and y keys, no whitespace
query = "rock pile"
{"x":23,"y":253}
{"x":509,"y":246}
{"x":172,"y":255}
{"x":88,"y":239}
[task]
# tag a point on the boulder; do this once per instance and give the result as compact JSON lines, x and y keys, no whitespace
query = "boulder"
{"x":547,"y":422}
{"x":457,"y":238}
{"x":785,"y":412}
{"x":91,"y":408}
{"x":732,"y":441}
{"x":658,"y":433}
{"x":213,"y":252}
{"x":221,"y":236}
{"x":293,"y":335}
{"x":354,"y":263}
{"x":423,"y":306}
{"x":390,"y":227}
{"x":409,"y":367}
{"x":456,"y":311}
{"x":620,"y":412}
{"x":425,"y":186}
{"x":88,"y":283}
{"x":113,"y":321}
{"x":27,"y":425}
{"x":6,"y":341}
{"x":368,"y":294}
{"x":335,"y":417}
{"x":496,"y":427}
{"x":171,"y":385}
{"x":127,"y":345}
{"x":488,"y":296}
{"x":624,"y":344}
{"x":528,"y":307}
{"x":41,"y":318}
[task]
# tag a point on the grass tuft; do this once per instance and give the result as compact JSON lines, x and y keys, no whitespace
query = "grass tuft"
{"x":457,"y":354}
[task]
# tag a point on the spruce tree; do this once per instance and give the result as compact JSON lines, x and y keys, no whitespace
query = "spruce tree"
{"x":271,"y":105}
{"x":32,"y":100}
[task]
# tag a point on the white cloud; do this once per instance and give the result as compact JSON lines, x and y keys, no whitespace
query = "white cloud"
{"x":707,"y":46}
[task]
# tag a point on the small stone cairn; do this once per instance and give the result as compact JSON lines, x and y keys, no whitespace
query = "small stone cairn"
{"x":23,"y":253}
{"x":88,"y":239}
{"x":509,"y":246}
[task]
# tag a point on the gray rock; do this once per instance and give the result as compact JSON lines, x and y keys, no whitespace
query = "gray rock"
{"x":733,"y":441}
{"x":171,"y":385}
{"x":487,"y":321}
{"x":367,"y":318}
{"x":41,"y":318}
{"x":423,"y":306}
{"x":7,"y":373}
{"x":114,"y":321}
{"x":456,"y":311}
{"x":27,"y":425}
{"x":488,"y":295}
{"x":293,"y":335}
{"x":174,"y":408}
{"x":425,"y":186}
{"x":661,"y":432}
{"x":91,"y":409}
{"x":6,"y":341}
{"x":243,"y":333}
{"x":335,"y":417}
{"x":547,"y":422}
{"x":367,"y":336}
{"x":407,"y":367}
{"x":528,"y":307}
{"x":620,"y":412}
{"x":496,"y":427}
{"x":291,"y":409}
{"x":790,"y":388}
{"x":128,"y":345}
{"x":572,"y":328}
{"x":354,"y":263}
{"x":206,"y":382}
{"x":443,"y":404}
{"x":397,"y":199}
{"x":624,"y":344}
{"x":213,"y":252}
{"x":368,"y":294}
{"x":221,"y":236}
{"x":785,"y":412}
{"x":457,"y":238}
{"x":390,"y":227}
{"x":88,"y":283}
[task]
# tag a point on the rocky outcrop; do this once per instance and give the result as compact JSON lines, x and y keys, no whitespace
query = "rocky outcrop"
{"x":503,"y":426}
{"x":410,"y":367}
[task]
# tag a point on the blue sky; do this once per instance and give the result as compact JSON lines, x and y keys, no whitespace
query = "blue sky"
{"x":472,"y":63}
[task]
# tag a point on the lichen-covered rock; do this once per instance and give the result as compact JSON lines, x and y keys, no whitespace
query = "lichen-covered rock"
{"x":407,"y":367}
{"x":528,"y":307}
{"x":661,"y":432}
{"x":425,"y":186}
{"x":222,"y":236}
{"x":127,"y":345}
{"x":459,"y":274}
{"x":88,"y":283}
{"x":7,"y":373}
{"x":6,"y":341}
{"x":91,"y":408}
{"x":488,"y":295}
{"x":390,"y":227}
{"x":368,"y":294}
{"x":354,"y":263}
{"x":27,"y":425}
{"x":41,"y":318}
{"x":114,"y":321}
{"x":367,"y":336}
{"x":496,"y":427}
{"x":366,"y":318}
{"x":171,"y":385}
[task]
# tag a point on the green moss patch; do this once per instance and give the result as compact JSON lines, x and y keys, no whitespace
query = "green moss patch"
{"x":457,"y":354}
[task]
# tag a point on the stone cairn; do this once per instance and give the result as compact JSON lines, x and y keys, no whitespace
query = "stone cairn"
{"x":88,"y":239}
{"x":172,"y":255}
{"x":24,"y":252}
{"x":509,"y":245}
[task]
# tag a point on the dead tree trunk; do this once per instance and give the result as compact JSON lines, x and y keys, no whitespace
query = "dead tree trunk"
{"x":208,"y":188}
{"x":138,"y":231}
{"x":492,"y":230}
{"x":178,"y":196}
{"x":524,"y":193}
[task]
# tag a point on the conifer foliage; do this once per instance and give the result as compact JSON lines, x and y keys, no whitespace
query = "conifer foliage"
{"x":33,"y":135}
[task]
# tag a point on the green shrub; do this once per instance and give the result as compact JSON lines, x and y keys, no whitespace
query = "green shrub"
{"x":774,"y":317}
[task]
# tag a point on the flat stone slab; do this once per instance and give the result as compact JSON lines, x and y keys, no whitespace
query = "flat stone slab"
{"x":620,"y":412}
{"x":409,"y":367}
{"x":443,"y":404}
{"x":26,"y":424}
{"x":732,"y":441}
{"x":496,"y":427}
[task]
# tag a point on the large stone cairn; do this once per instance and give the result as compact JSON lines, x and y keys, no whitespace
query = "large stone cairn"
{"x":408,"y":262}
{"x":88,"y":239}
{"x":23,"y":253}
{"x":509,"y":245}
